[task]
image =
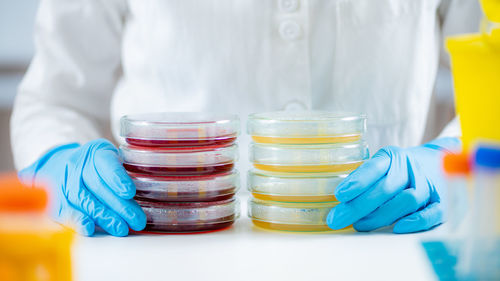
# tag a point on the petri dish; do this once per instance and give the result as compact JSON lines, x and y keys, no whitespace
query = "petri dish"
{"x":306,"y":127}
{"x":319,"y":158}
{"x":285,"y":216}
{"x":189,"y":216}
{"x":178,"y":162}
{"x":186,"y":188}
{"x":302,"y":187}
{"x":179,"y":129}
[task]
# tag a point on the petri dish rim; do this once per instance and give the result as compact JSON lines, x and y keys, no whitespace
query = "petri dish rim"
{"x":188,"y":205}
{"x":140,"y":118}
{"x":291,"y":127}
{"x":171,"y":126}
{"x":277,"y":205}
{"x":186,"y":188}
{"x":270,"y":146}
{"x":347,"y":116}
{"x":265,"y":177}
{"x":149,"y":156}
{"x":296,"y":155}
{"x":190,"y":217}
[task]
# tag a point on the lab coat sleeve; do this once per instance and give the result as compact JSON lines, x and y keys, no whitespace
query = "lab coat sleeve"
{"x":66,"y":92}
{"x":457,"y":17}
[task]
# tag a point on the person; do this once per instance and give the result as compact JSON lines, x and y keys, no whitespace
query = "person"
{"x":100,"y":59}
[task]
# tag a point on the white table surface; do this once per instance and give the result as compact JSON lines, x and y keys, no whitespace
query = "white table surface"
{"x":244,"y":252}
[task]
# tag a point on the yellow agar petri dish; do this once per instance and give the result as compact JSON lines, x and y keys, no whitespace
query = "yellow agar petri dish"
{"x":306,"y":127}
{"x":286,"y":216}
{"x":319,"y":158}
{"x":291,"y":187}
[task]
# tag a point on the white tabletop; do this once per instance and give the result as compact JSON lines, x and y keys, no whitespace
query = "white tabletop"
{"x":244,"y":252}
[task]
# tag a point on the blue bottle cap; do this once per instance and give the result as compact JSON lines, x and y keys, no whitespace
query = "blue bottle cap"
{"x":488,"y":156}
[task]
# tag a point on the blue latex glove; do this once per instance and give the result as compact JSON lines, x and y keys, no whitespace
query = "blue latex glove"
{"x":88,"y":186}
{"x":401,"y":186}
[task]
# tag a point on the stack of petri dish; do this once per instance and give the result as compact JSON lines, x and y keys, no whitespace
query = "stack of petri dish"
{"x":299,"y":158}
{"x":182,"y":165}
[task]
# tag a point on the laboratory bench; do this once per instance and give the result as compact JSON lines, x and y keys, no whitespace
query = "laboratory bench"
{"x":244,"y":252}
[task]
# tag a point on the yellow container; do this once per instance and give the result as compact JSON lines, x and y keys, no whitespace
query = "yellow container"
{"x":475,"y":61}
{"x":32,"y":247}
{"x":491,"y":9}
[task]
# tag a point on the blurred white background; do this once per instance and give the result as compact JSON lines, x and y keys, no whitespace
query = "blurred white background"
{"x":16,"y":50}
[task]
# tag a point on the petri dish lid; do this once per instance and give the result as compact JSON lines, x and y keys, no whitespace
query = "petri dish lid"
{"x":293,"y":184}
{"x":179,"y":126}
{"x":304,"y":155}
{"x":182,"y":157}
{"x":295,"y":127}
{"x":289,"y":213}
{"x":187,"y":184}
{"x":191,"y":212}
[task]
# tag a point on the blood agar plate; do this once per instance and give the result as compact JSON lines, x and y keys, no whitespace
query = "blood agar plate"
{"x":331,"y":158}
{"x":190,"y":217}
{"x":290,"y":216}
{"x":186,"y":188}
{"x":178,"y":162}
{"x":293,"y":187}
{"x":176,"y":129}
{"x":306,"y":127}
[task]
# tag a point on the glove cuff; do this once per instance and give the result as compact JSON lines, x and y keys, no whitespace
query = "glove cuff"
{"x":28,"y":175}
{"x":447,"y":144}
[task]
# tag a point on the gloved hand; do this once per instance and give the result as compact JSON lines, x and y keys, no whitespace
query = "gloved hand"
{"x":402,"y":186}
{"x":87,"y":186}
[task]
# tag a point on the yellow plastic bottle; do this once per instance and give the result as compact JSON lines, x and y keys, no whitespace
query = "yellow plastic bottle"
{"x":32,"y":247}
{"x":475,"y":61}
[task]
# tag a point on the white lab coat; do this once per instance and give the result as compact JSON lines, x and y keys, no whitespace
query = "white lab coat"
{"x":97,"y":60}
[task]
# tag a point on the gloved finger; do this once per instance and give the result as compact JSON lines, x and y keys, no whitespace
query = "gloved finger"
{"x":85,"y":201}
{"x":406,"y":202}
{"x":430,"y":216}
{"x":386,"y":188}
{"x":363,"y":177}
{"x":127,"y":209}
{"x":94,"y":179}
{"x":110,"y":169}
{"x":78,"y":221}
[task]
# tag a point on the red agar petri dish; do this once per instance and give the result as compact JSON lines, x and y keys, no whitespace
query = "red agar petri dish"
{"x":180,"y":129}
{"x":189,"y":217}
{"x":178,"y":162}
{"x":186,"y":188}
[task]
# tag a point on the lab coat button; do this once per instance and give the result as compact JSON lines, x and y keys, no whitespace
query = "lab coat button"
{"x":290,"y":30}
{"x":295,"y":106}
{"x":289,"y":5}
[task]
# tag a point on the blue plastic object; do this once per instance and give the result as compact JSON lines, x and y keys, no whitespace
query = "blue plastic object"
{"x":397,"y":185}
{"x":487,"y":156}
{"x":89,"y":187}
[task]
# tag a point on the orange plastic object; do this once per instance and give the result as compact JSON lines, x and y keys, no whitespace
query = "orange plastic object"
{"x":456,"y":164}
{"x":32,"y":247}
{"x":17,"y":198}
